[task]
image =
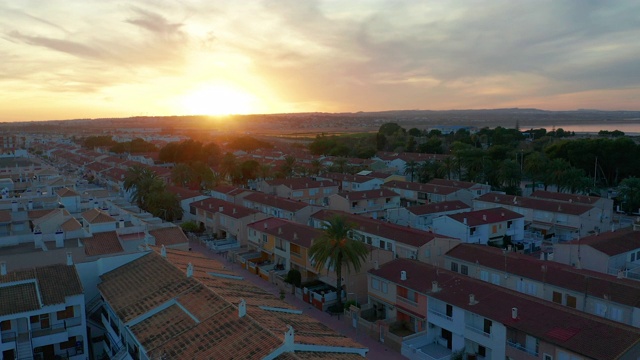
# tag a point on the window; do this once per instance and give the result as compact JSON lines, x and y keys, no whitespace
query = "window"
{"x":472,"y":231}
{"x":547,"y":357}
{"x":495,"y":279}
{"x":520,"y":286}
{"x":633,"y":257}
{"x":509,"y":224}
{"x":387,"y":200}
{"x":382,"y":244}
{"x":264,"y":238}
{"x":5,"y":325}
{"x":385,"y":287}
{"x":487,"y":326}
{"x":557,"y":297}
{"x":482,"y":351}
{"x":70,"y":343}
{"x":484,"y":275}
{"x":532,"y":289}
{"x":375,"y":284}
{"x":464,"y":270}
{"x":494,"y":229}
{"x":369,"y":241}
{"x":571,"y":301}
{"x":390,"y":246}
{"x":65,"y":314}
{"x":354,"y":204}
{"x":601,"y":309}
{"x":449,"y":311}
{"x":454,"y":266}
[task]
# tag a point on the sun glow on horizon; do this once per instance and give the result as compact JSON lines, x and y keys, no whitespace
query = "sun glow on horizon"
{"x":219,"y":99}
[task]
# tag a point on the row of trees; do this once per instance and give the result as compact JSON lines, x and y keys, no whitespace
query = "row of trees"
{"x":149,"y":192}
{"x":135,"y":146}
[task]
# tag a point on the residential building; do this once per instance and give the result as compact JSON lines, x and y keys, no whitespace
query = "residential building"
{"x":443,"y":313}
{"x":606,"y":205}
{"x":611,"y":252}
{"x":495,"y":226}
{"x":303,"y":189}
{"x":420,"y":194}
{"x":476,"y":189}
{"x":585,"y":290}
{"x":553,"y":220}
{"x":421,"y":216}
{"x":403,"y":242}
{"x":372,"y":203}
{"x":182,"y":305}
{"x":42,"y":313}
{"x":356,"y":182}
{"x":283,"y":208}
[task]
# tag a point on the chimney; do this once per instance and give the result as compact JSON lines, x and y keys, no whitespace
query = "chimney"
{"x":121,"y":223}
{"x":279,"y":231}
{"x":484,"y":217}
{"x":620,"y":274}
{"x":14,"y":206}
{"x":502,"y":214}
{"x":242,"y":308}
{"x":434,"y":286}
{"x":221,"y":209}
{"x":37,"y":237}
{"x":295,"y":236}
{"x":30,"y":205}
{"x":163,"y":251}
{"x":266,"y":225}
{"x":3,"y":268}
{"x":403,"y":275}
{"x":472,"y":299}
{"x":464,"y":221}
{"x":514,"y":313}
{"x":190,"y":270}
{"x":234,"y":210}
{"x":375,"y":265}
{"x":59,"y":237}
{"x":69,"y":258}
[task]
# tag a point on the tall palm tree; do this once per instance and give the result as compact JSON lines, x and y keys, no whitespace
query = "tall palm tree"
{"x":410,"y":168}
{"x":534,"y":166}
{"x":182,"y":174}
{"x":335,"y":249}
{"x":316,"y":166}
{"x":288,"y":167}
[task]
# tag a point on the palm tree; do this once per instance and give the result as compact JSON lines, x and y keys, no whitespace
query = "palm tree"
{"x":335,"y":249}
{"x":535,"y":165}
{"x":410,"y":168}
{"x":182,"y":174}
{"x":316,"y":167}
{"x":133,"y":179}
{"x":288,"y":167}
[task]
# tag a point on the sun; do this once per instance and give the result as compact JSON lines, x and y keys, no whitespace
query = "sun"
{"x":219,"y":100}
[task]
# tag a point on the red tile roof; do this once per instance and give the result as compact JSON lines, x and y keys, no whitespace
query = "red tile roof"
{"x":435,"y":208}
{"x":599,"y":285}
{"x":276,"y":202}
{"x":419,"y":187}
{"x":212,"y":205}
{"x":302,"y":183}
{"x":486,"y":216}
{"x":536,"y":204}
{"x":368,"y":194}
{"x":183,"y":193}
{"x":612,"y":242}
{"x":97,"y":216}
{"x":66,"y":192}
{"x":580,"y":199}
{"x":169,"y":236}
{"x":401,"y":234}
{"x":102,"y":244}
{"x":584,"y":334}
{"x":302,"y":235}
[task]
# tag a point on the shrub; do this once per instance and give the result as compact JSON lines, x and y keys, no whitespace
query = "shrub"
{"x":294,"y":277}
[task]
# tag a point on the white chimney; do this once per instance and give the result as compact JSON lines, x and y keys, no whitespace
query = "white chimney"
{"x":375,"y":265}
{"x":37,"y":237}
{"x":59,"y":237}
{"x":434,"y":286}
{"x":221,"y":209}
{"x":265,"y":225}
{"x":121,"y":223}
{"x":3,"y":268}
{"x":472,"y":299}
{"x":295,"y":236}
{"x":30,"y":205}
{"x":14,"y":206}
{"x":190,"y":270}
{"x":464,"y":221}
{"x":514,"y":313}
{"x":620,"y":274}
{"x":163,"y":251}
{"x":242,"y":308}
{"x":279,"y":231}
{"x":69,"y":259}
{"x":234,"y":210}
{"x":484,"y":217}
{"x":403,"y":275}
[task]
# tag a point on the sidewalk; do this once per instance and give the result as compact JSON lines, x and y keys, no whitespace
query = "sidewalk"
{"x":377,"y":350}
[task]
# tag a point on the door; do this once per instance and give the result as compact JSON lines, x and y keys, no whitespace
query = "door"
{"x":44,"y":321}
{"x":447,"y":335}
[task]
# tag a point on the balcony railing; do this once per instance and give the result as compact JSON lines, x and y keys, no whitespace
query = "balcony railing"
{"x":522,"y":348}
{"x":407,"y":301}
{"x":478,"y":331}
{"x":442,"y":315}
{"x":8,"y":336}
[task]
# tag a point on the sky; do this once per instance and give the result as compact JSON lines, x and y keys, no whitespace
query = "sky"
{"x":69,"y":59}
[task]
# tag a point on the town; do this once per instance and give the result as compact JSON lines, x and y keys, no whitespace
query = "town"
{"x":440,"y":242}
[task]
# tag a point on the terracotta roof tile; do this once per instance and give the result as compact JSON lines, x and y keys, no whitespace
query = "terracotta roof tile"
{"x":368,"y":194}
{"x":419,"y":187}
{"x":224,"y":207}
{"x":70,"y":225}
{"x":300,"y":234}
{"x":580,"y":199}
{"x":162,"y":326}
{"x":537,"y":204}
{"x":592,"y":336}
{"x":276,"y":202}
{"x":57,"y":282}
{"x":486,"y":216}
{"x":66,"y":192}
{"x":97,"y":216}
{"x":18,"y":298}
{"x":612,"y":242}
{"x":102,"y":244}
{"x":169,"y":236}
{"x":435,"y":208}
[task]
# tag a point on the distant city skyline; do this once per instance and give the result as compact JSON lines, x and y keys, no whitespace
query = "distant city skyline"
{"x":91,"y":59}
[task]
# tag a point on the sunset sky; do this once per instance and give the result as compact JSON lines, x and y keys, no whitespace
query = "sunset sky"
{"x":64,"y":59}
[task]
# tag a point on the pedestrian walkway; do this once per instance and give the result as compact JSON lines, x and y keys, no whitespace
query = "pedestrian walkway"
{"x":377,"y":350}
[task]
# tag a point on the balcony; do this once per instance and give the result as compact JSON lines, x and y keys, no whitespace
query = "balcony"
{"x":478,"y":331}
{"x":520,"y":347}
{"x":441,"y":315}
{"x":8,"y":336}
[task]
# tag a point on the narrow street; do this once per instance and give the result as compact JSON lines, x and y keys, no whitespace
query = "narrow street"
{"x":377,"y":350}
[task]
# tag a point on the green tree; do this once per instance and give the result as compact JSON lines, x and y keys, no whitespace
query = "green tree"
{"x":335,"y":250}
{"x":535,"y":165}
{"x":629,"y":194}
{"x":182,"y":174}
{"x":410,"y":169}
{"x":288,"y":167}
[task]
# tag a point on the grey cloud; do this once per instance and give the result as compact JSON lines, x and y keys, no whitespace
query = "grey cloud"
{"x":155,"y":23}
{"x":65,"y":46}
